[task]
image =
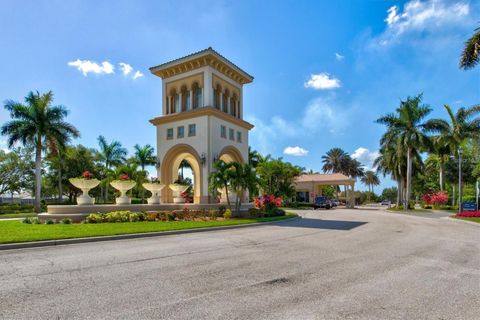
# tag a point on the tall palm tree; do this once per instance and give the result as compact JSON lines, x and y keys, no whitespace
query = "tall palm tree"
{"x":334,"y":160}
{"x":471,"y":52}
{"x":370,"y":179}
{"x":40,"y":124}
{"x":110,"y":154}
{"x":145,"y":155}
{"x":451,"y":133}
{"x":406,"y":126}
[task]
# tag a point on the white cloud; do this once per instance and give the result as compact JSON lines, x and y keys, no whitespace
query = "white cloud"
{"x":322,"y":81}
{"x":126,"y":68}
{"x":339,"y":57}
{"x":295,"y":151}
{"x":137,"y":75}
{"x":87,"y":66}
{"x":365,"y":156}
{"x":321,"y":117}
{"x":419,"y":16}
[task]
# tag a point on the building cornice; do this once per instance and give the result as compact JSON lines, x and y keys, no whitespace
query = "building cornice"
{"x":204,"y":111}
{"x":207,"y":57}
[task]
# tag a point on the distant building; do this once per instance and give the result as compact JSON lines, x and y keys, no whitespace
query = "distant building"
{"x":309,"y":186}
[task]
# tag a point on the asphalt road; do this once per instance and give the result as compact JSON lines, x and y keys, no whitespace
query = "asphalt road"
{"x":337,"y":264}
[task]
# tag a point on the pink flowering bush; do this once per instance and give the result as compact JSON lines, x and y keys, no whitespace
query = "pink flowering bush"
{"x":267,"y":202}
{"x":87,"y":175}
{"x":473,"y":214}
{"x":436,"y":199}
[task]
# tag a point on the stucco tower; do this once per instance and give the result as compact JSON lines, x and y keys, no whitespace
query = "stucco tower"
{"x":202,"y":118}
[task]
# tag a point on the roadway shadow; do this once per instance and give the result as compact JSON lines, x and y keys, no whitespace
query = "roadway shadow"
{"x":322,"y":224}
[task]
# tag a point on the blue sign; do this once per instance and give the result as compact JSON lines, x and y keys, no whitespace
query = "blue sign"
{"x":469,"y":206}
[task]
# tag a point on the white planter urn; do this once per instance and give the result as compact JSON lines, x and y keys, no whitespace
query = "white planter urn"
{"x":232,"y":196}
{"x":85,"y":185}
{"x":177,"y":190}
{"x":123,"y":186}
{"x":155,"y":189}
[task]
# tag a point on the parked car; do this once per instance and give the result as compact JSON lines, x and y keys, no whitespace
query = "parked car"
{"x":322,"y":202}
{"x":335,"y":203}
{"x":386,"y":203}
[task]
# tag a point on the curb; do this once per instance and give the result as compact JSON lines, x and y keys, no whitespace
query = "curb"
{"x":461,"y":220}
{"x":48,"y":243}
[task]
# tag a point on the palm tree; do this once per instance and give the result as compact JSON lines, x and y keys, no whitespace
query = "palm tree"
{"x":40,"y":124}
{"x":334,"y":160}
{"x":471,"y":52}
{"x":462,"y":125}
{"x":110,"y":154}
{"x":145,"y":155}
{"x":408,"y":128}
{"x":392,"y":162}
{"x":242,"y":178}
{"x":220,"y":178}
{"x":370,"y":179}
{"x":310,"y":171}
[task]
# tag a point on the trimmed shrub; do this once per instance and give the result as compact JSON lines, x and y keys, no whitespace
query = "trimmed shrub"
{"x":50,"y":221}
{"x":27,"y":221}
{"x":227,"y":214}
{"x":66,"y":221}
{"x":255,"y":213}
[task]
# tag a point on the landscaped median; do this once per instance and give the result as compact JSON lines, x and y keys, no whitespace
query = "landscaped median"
{"x":468,"y":216}
{"x":16,"y":231}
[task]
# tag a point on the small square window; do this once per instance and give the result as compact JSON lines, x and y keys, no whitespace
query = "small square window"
{"x":231,"y":134}
{"x":223,"y":132}
{"x":180,"y":132}
{"x":239,"y":137}
{"x":169,"y":133}
{"x":192,"y":130}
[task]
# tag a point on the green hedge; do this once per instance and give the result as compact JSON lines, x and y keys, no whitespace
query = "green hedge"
{"x":15,"y":208}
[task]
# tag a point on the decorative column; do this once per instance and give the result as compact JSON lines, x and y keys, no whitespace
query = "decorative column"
{"x":191,"y":99}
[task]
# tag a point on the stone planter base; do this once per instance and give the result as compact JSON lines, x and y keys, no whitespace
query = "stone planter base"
{"x":85,"y":200}
{"x":154,"y":200}
{"x":123,"y":200}
{"x":178,"y":200}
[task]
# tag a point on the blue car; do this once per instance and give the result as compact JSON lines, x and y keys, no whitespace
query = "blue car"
{"x":322,"y":202}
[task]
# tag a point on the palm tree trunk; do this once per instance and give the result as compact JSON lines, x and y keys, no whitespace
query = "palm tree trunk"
{"x":38,"y":177}
{"x":228,"y":198}
{"x":143,"y":189}
{"x":399,"y":191}
{"x":409,"y":178}
{"x":453,"y":195}
{"x":60,"y":185}
{"x":441,"y":175}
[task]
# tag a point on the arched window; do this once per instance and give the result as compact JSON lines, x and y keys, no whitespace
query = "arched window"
{"x":185,"y":99}
{"x":197,"y":98}
{"x":225,"y":103}
{"x":234,"y":105}
{"x":217,"y":94}
{"x":171,"y":102}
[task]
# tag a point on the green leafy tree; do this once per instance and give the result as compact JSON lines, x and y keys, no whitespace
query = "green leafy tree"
{"x":40,"y":124}
{"x":277,"y":177}
{"x":16,"y":171}
{"x":242,"y":178}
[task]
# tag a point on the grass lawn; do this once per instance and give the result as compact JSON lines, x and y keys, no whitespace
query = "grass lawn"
{"x":18,"y":215}
{"x":16,"y":231}
{"x":475,"y":219}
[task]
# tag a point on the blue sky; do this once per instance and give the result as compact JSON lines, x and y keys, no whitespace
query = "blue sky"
{"x":324,"y":70}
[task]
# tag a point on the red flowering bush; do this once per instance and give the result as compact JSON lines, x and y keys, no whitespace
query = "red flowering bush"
{"x":473,"y":214}
{"x":187,"y":197}
{"x":436,"y":199}
{"x":267,"y":202}
{"x":87,"y":175}
{"x":124,"y":177}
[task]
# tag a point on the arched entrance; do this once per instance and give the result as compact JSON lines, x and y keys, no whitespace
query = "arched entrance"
{"x":231,"y":154}
{"x":169,"y":171}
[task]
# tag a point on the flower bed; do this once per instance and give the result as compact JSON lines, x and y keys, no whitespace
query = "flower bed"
{"x":472,"y":214}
